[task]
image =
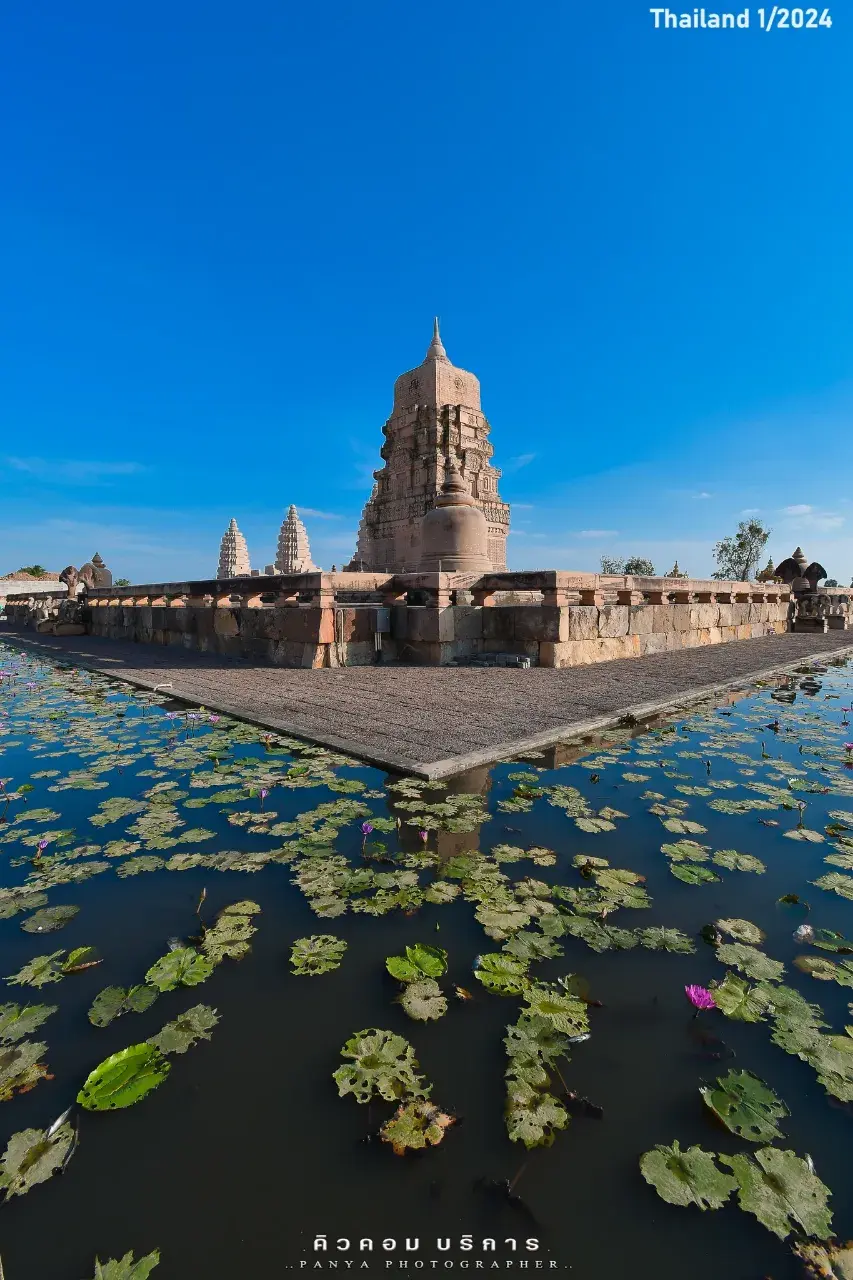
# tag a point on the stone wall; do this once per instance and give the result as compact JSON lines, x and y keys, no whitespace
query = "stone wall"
{"x":327,"y":620}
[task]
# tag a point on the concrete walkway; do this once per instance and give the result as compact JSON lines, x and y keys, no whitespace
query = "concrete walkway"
{"x":438,"y":721}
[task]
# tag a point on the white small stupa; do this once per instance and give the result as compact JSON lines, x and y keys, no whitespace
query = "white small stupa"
{"x":233,"y":554}
{"x":293,"y":554}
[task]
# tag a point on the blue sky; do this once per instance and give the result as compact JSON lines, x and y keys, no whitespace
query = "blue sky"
{"x":226,"y":230}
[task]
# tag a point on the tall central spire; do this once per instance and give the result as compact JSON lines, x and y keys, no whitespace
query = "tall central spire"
{"x":436,"y":349}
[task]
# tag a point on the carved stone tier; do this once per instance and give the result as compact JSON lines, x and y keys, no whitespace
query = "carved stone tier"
{"x":436,"y":413}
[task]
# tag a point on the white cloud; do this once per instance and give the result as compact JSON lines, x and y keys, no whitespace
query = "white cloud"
{"x":73,"y":471}
{"x":598,"y":533}
{"x":318,"y":515}
{"x":515,"y":464}
{"x":751,"y":511}
{"x":799,"y":509}
{"x":700,"y":496}
{"x":523,"y":506}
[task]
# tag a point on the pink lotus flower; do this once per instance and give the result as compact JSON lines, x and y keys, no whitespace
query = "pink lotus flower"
{"x":700,"y":997}
{"x":214,"y":719}
{"x":424,"y":835}
{"x":848,"y":746}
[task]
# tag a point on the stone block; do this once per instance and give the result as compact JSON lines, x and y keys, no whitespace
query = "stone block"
{"x":225,"y":624}
{"x":537,"y":622}
{"x":499,"y":622}
{"x":613,"y":620}
{"x":468,"y":622}
{"x":581,"y":622}
{"x":653,"y":642}
{"x":704,"y":615}
{"x":641,"y":620}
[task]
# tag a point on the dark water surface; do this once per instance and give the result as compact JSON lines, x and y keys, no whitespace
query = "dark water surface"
{"x":245,"y":1152}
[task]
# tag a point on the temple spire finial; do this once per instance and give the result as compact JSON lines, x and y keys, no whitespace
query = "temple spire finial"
{"x":436,"y":349}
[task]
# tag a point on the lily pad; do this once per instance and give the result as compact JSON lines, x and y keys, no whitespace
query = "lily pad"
{"x":415,"y":1125}
{"x":49,"y":919}
{"x":423,"y":1000}
{"x":184,"y":966}
{"x":563,"y":1010}
{"x":734,"y":861}
{"x":123,"y":1078}
{"x":684,"y":827}
{"x":827,"y":970}
{"x":33,"y":1156}
{"x":383,"y":1064}
{"x":737,"y":999}
{"x":687,"y":1177}
{"x":746,"y":1106}
{"x":420,"y":961}
{"x":742,"y":931}
{"x":501,"y":973}
{"x":126,"y":1269}
{"x":836,"y":882}
{"x":20,"y":1068}
{"x":826,"y":1262}
{"x":112,"y":1002}
{"x":692,"y":874}
{"x":661,"y":939}
{"x":751,"y":961}
{"x":229,"y":935}
{"x":17,"y":1021}
{"x":782,"y":1191}
{"x":185,"y":1031}
{"x":320,"y":953}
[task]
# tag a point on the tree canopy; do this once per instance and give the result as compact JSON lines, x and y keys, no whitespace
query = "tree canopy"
{"x":737,"y":556}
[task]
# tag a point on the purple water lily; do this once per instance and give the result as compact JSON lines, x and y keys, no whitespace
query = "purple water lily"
{"x":700,"y":997}
{"x":264,"y":792}
{"x":214,"y":719}
{"x":424,"y":835}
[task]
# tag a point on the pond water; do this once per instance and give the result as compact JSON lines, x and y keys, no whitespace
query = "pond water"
{"x":245,"y":1151}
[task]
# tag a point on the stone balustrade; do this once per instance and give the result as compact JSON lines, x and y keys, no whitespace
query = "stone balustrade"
{"x":330,"y":619}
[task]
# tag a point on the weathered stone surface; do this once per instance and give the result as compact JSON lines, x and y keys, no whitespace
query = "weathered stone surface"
{"x":582,"y":622}
{"x":613,"y":620}
{"x":233,"y":553}
{"x":293,"y":554}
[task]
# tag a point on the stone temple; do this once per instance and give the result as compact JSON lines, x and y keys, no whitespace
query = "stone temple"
{"x":436,"y":416}
{"x":293,"y":554}
{"x":233,"y":554}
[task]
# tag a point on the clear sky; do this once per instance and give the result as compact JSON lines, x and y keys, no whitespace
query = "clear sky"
{"x":226,"y":229}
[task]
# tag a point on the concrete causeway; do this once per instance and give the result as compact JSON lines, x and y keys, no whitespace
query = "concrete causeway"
{"x":435,"y":722}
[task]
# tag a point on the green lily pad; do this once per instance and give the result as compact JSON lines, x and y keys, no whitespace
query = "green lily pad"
{"x":501,"y":973}
{"x":782,"y":1191}
{"x":383,"y":1064}
{"x":737,"y":999}
{"x":687,"y":1177}
{"x":123,"y":1078}
{"x":751,"y":961}
{"x":320,"y":953}
{"x":48,"y":919}
{"x":692,"y":874}
{"x":230,"y":934}
{"x":746,"y":1106}
{"x":126,"y":1269}
{"x":563,"y":1010}
{"x":742,"y":931}
{"x":420,"y":961}
{"x":684,"y":827}
{"x":734,"y":861}
{"x":829,"y":940}
{"x":423,"y":1000}
{"x":826,"y":970}
{"x":661,"y":939}
{"x":836,"y":882}
{"x":184,"y":966}
{"x":112,"y":1002}
{"x":17,"y":1022}
{"x":184,"y":1032}
{"x":532,"y":1117}
{"x":686,"y":851}
{"x":33,"y":1156}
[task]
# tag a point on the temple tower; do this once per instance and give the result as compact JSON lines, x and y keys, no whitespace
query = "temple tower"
{"x":436,"y":415}
{"x":233,"y":554}
{"x":293,"y":554}
{"x":454,"y":532}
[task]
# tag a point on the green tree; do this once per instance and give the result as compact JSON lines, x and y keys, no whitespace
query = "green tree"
{"x":738,"y":556}
{"x":635,"y":564}
{"x":37,"y":570}
{"x":609,"y":564}
{"x":639,"y":567}
{"x":122,"y":582}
